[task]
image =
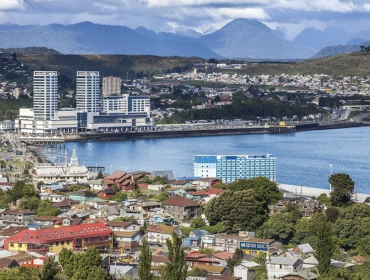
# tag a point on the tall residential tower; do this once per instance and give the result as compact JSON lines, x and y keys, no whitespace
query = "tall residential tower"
{"x":87,"y":91}
{"x":45,"y":94}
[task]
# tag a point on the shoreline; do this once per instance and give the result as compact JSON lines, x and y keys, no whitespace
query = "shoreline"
{"x":311,"y":191}
{"x":208,"y":132}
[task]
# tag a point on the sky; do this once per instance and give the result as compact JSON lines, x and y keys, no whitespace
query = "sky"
{"x":289,"y":16}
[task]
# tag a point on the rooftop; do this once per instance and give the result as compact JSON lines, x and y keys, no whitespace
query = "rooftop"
{"x":180,"y":201}
{"x":44,"y":236}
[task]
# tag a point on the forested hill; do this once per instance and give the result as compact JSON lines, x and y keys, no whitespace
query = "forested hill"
{"x":350,"y":64}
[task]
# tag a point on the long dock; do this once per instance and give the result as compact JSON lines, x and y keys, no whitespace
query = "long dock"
{"x":40,"y":141}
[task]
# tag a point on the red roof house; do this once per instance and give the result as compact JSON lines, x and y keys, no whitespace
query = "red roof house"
{"x":122,"y":179}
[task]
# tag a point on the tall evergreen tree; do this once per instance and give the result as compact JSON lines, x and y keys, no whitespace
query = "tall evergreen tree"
{"x":343,"y":187}
{"x":176,"y":267}
{"x":145,"y":262}
{"x":325,"y":246}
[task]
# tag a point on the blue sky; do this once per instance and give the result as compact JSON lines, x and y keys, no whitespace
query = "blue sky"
{"x":291,"y":16}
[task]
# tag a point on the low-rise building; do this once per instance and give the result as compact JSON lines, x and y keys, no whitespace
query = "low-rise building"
{"x":279,"y":266}
{"x":77,"y":238}
{"x":122,"y":179}
{"x":182,"y":208}
{"x":256,"y":246}
{"x":159,"y":233}
{"x":127,"y":241}
{"x":18,"y":217}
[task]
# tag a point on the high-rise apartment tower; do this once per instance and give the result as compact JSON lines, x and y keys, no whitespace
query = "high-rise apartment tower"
{"x":87,"y":91}
{"x":45,"y":94}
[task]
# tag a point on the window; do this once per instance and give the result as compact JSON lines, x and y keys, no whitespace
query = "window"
{"x":11,"y":244}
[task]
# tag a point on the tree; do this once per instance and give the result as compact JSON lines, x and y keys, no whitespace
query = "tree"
{"x":50,"y":269}
{"x":100,"y":175}
{"x":197,"y":223}
{"x":29,"y":191}
{"x":176,"y":268}
{"x":198,"y":272}
{"x":325,"y":246}
{"x":119,"y":196}
{"x":17,"y":191}
{"x":266,"y":191}
{"x":46,"y":209}
{"x":237,"y":210}
{"x":279,"y":226}
{"x":217,"y":99}
{"x":75,"y":187}
{"x":343,"y":187}
{"x":332,"y":214}
{"x":353,"y":227}
{"x":145,"y":262}
{"x":324,"y":199}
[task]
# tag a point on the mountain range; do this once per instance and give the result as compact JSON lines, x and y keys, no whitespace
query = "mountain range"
{"x":241,"y":38}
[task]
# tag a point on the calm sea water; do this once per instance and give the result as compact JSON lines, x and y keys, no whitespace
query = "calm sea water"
{"x":303,"y":158}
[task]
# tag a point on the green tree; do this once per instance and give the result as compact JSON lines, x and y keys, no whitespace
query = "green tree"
{"x":279,"y":226}
{"x":163,"y":196}
{"x":75,"y":187}
{"x":176,"y":268}
{"x":237,"y":210}
{"x":145,"y":262}
{"x":197,"y":223}
{"x":119,"y":196}
{"x":324,"y":199}
{"x":100,"y":175}
{"x":17,"y":191}
{"x":325,"y":246}
{"x":29,"y":191}
{"x":332,"y":214}
{"x":45,"y":208}
{"x":50,"y":269}
{"x":353,"y":227}
{"x":198,"y":272}
{"x":266,"y":191}
{"x":342,"y":189}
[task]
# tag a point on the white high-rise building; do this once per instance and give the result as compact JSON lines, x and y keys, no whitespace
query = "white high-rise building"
{"x":87,"y":91}
{"x":45,"y":94}
{"x":112,"y":86}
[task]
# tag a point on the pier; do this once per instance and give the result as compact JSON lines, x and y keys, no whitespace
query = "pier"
{"x":41,"y":141}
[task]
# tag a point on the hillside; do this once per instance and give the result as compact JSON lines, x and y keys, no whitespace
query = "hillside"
{"x":342,"y":64}
{"x":117,"y":65}
{"x":348,"y":64}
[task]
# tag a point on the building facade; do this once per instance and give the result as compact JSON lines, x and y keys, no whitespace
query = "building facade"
{"x":75,"y":238}
{"x":125,"y":104}
{"x":112,"y":86}
{"x":122,"y":113}
{"x":45,"y":94}
{"x":232,"y":168}
{"x":87,"y":91}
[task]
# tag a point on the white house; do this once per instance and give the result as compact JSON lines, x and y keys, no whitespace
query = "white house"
{"x":244,"y":270}
{"x":280,"y":266}
{"x":160,"y":233}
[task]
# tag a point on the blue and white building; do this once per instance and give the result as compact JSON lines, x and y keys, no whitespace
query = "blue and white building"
{"x":231,"y":168}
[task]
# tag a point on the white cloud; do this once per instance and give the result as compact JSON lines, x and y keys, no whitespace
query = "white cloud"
{"x":105,"y":7}
{"x":11,"y":4}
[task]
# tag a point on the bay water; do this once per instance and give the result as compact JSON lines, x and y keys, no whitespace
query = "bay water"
{"x":303,"y":158}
